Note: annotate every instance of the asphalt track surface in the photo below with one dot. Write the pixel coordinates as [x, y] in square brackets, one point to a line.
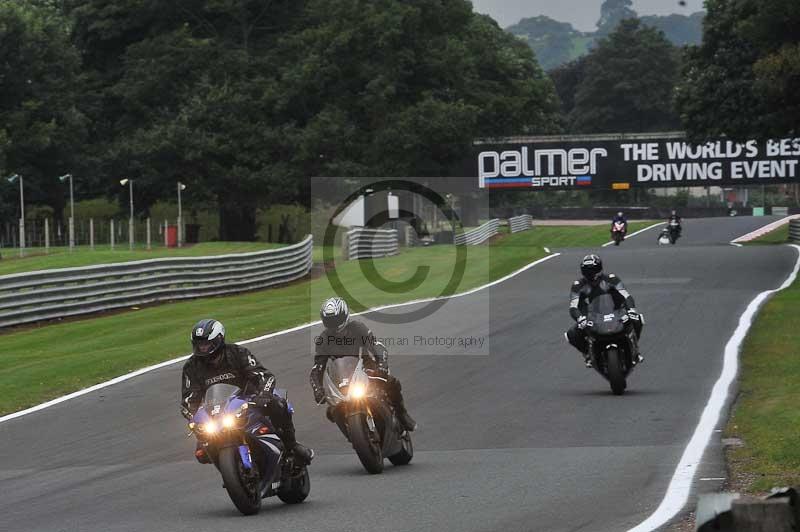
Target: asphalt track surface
[519, 436]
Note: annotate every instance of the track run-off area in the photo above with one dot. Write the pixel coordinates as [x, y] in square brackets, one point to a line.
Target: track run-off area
[517, 437]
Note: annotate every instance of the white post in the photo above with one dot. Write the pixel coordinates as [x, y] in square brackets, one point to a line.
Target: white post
[46, 236]
[166, 242]
[112, 235]
[180, 217]
[71, 216]
[91, 234]
[22, 219]
[148, 233]
[130, 233]
[22, 237]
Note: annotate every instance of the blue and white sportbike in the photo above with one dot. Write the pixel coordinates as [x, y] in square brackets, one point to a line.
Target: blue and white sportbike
[242, 444]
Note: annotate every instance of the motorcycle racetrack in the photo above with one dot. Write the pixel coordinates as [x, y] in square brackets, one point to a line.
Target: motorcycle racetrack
[520, 437]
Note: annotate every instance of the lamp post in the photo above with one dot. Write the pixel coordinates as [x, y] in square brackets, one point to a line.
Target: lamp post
[129, 182]
[181, 236]
[71, 211]
[13, 179]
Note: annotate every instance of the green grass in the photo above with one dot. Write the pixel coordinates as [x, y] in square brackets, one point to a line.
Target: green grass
[42, 363]
[36, 259]
[776, 236]
[766, 415]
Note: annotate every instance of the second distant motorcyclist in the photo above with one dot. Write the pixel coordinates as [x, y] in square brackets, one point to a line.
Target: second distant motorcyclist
[675, 221]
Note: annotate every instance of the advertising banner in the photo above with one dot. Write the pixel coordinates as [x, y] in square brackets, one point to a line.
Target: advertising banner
[620, 162]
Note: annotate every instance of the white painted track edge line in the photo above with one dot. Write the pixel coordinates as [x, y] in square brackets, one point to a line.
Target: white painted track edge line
[136, 373]
[680, 486]
[636, 233]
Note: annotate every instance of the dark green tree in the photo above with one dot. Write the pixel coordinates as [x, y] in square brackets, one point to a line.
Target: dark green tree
[553, 42]
[566, 79]
[42, 132]
[628, 83]
[612, 12]
[743, 80]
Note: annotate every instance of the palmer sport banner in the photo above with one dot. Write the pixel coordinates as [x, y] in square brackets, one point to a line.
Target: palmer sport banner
[622, 162]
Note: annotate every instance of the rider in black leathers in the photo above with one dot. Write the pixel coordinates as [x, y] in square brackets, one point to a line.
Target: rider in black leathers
[343, 337]
[592, 284]
[213, 361]
[673, 217]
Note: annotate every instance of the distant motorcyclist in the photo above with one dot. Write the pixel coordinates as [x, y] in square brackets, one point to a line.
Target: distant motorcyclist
[213, 361]
[343, 337]
[620, 217]
[593, 283]
[673, 220]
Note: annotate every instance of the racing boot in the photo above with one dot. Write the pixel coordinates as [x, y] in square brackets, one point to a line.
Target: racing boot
[404, 417]
[587, 360]
[302, 454]
[637, 354]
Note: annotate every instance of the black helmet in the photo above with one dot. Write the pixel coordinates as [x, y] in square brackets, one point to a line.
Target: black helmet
[334, 314]
[208, 337]
[591, 267]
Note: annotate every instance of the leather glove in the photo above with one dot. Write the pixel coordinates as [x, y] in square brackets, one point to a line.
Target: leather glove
[634, 314]
[582, 322]
[319, 396]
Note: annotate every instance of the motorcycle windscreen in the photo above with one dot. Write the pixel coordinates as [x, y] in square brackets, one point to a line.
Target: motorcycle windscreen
[217, 396]
[605, 317]
[338, 375]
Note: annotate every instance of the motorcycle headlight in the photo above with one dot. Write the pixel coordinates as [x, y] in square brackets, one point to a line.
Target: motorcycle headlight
[228, 421]
[211, 427]
[358, 391]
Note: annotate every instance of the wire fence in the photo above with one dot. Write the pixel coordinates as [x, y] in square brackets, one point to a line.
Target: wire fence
[44, 233]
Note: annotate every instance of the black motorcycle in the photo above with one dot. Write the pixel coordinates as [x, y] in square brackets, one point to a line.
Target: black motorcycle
[244, 447]
[361, 409]
[670, 233]
[611, 339]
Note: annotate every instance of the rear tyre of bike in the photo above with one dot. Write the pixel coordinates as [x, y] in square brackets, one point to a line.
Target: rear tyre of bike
[406, 453]
[295, 489]
[368, 451]
[616, 375]
[243, 491]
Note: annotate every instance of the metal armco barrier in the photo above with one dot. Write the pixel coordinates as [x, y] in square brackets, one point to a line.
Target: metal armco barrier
[520, 223]
[363, 243]
[794, 231]
[478, 235]
[51, 294]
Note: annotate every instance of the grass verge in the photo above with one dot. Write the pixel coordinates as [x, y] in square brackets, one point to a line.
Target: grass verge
[766, 416]
[776, 236]
[41, 363]
[84, 256]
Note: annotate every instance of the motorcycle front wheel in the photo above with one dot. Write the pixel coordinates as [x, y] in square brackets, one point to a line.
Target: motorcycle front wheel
[616, 374]
[241, 484]
[368, 451]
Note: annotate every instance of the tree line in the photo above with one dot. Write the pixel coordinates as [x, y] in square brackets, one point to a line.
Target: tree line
[243, 100]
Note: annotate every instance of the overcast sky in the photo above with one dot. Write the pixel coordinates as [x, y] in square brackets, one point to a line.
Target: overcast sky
[583, 14]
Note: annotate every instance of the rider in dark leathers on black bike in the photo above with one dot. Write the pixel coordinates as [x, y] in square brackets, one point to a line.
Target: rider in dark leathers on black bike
[343, 337]
[213, 361]
[673, 217]
[594, 283]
